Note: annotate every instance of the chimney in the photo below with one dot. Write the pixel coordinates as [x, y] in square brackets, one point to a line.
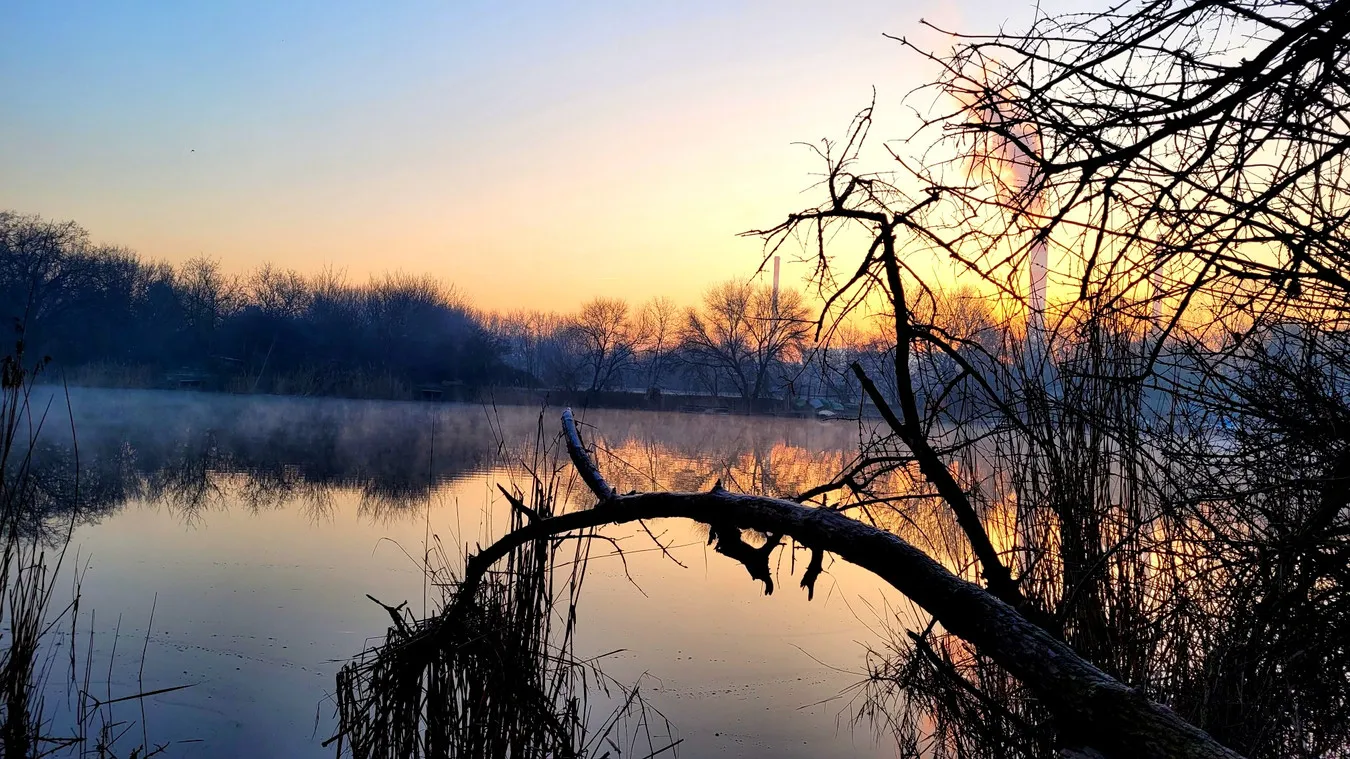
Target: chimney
[775, 285]
[1037, 268]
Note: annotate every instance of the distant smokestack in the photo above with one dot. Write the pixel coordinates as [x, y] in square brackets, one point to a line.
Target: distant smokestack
[1156, 281]
[775, 285]
[1013, 164]
[1036, 270]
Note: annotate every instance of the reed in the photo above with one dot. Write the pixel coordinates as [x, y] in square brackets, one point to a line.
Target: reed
[36, 530]
[495, 672]
[26, 570]
[1202, 566]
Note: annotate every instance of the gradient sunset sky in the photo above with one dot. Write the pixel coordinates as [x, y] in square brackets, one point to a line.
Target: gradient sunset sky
[535, 154]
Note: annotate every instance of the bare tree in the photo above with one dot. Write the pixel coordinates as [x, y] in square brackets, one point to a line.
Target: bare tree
[743, 332]
[524, 334]
[967, 315]
[606, 338]
[1162, 149]
[278, 292]
[563, 359]
[38, 258]
[206, 296]
[657, 337]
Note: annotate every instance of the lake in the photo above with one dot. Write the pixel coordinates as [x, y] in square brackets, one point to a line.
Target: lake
[256, 526]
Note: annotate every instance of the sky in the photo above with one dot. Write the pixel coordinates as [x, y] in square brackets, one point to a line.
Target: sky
[533, 154]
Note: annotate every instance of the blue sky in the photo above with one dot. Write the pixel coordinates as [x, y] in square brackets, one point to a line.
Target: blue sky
[534, 154]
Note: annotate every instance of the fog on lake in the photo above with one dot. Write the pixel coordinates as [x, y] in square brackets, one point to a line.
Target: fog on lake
[255, 527]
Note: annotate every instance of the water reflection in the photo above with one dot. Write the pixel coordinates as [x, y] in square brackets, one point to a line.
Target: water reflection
[258, 526]
[194, 453]
[197, 453]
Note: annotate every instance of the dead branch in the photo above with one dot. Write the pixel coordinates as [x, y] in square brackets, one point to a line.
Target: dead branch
[1090, 707]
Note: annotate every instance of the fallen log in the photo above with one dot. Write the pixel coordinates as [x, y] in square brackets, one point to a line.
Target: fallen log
[1093, 711]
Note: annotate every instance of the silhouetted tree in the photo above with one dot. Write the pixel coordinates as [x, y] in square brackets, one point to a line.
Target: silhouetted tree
[606, 338]
[88, 305]
[658, 338]
[1135, 535]
[743, 333]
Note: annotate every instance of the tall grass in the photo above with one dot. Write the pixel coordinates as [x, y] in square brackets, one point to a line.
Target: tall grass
[1201, 562]
[495, 673]
[113, 374]
[35, 542]
[27, 570]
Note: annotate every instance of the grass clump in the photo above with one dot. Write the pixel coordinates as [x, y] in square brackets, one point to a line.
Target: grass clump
[495, 673]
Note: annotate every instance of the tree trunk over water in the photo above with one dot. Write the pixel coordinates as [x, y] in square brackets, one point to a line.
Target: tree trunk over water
[1093, 710]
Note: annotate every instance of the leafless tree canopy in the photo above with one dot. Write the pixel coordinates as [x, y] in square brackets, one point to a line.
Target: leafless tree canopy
[1124, 525]
[1184, 165]
[743, 331]
[1159, 147]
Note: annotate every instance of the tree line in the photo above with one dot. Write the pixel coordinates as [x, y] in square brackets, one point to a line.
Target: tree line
[103, 311]
[108, 317]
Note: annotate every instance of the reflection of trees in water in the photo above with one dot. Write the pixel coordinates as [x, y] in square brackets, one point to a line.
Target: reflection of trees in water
[751, 465]
[186, 477]
[282, 485]
[200, 453]
[261, 454]
[56, 481]
[779, 457]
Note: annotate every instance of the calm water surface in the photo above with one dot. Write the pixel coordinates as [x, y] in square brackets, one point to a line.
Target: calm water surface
[255, 527]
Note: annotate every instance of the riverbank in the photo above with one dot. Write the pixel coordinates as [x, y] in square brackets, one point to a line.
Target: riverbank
[378, 386]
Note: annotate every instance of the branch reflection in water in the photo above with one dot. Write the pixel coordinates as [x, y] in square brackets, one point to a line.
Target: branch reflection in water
[262, 523]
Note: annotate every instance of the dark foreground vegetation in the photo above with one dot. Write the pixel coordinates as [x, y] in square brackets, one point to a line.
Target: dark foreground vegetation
[1127, 530]
[501, 674]
[1123, 518]
[49, 703]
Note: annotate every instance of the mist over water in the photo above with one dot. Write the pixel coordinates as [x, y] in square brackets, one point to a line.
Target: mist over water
[256, 526]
